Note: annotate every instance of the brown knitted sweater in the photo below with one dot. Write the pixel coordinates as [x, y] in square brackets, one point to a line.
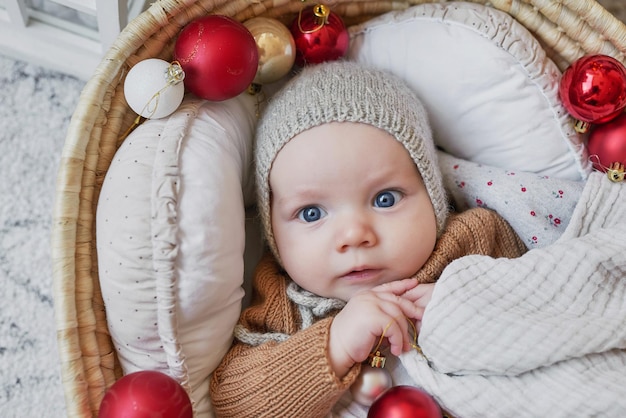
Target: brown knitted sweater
[294, 378]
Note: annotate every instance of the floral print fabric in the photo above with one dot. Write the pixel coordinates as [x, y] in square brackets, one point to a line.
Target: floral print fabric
[538, 207]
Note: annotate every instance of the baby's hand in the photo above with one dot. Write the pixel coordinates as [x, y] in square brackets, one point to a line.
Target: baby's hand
[368, 315]
[420, 295]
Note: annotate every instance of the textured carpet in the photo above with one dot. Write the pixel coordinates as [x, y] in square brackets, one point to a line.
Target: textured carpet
[35, 108]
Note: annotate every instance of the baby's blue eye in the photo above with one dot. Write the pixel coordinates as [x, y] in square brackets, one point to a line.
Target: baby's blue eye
[311, 214]
[386, 199]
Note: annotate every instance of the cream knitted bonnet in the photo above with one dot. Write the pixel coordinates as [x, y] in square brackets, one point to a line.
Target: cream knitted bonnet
[342, 91]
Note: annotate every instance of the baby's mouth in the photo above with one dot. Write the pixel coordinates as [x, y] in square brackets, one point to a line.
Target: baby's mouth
[362, 274]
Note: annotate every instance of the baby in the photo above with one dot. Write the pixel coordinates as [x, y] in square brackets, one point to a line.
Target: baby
[358, 227]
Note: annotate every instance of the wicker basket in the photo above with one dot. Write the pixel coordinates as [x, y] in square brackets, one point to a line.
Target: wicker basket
[568, 29]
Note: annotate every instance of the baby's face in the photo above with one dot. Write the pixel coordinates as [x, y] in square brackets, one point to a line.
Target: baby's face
[349, 210]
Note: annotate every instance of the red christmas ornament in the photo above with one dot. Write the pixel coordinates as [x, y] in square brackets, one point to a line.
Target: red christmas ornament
[404, 402]
[146, 394]
[593, 88]
[320, 35]
[219, 57]
[607, 142]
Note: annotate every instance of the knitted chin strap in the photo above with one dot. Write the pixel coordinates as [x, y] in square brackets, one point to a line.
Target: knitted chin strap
[310, 307]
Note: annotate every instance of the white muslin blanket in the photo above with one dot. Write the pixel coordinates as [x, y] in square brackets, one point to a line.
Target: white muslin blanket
[540, 335]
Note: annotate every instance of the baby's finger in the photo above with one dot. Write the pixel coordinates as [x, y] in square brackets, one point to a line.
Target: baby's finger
[406, 306]
[421, 294]
[398, 330]
[397, 287]
[398, 336]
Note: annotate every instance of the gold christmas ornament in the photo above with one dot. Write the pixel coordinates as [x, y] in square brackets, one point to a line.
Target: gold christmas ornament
[277, 49]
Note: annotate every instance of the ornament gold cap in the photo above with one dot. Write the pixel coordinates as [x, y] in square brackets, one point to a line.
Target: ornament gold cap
[174, 73]
[616, 172]
[377, 360]
[581, 126]
[321, 13]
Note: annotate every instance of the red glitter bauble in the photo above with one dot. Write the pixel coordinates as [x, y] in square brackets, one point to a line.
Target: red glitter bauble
[219, 57]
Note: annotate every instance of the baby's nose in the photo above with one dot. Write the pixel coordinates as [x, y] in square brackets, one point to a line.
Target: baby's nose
[355, 231]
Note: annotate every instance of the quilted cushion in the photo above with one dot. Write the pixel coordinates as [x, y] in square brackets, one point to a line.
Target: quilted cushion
[490, 90]
[171, 238]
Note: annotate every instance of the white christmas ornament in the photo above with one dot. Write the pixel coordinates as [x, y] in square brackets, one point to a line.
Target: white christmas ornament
[372, 381]
[154, 88]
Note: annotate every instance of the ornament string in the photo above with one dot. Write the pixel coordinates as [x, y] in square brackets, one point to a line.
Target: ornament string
[256, 90]
[138, 121]
[615, 171]
[173, 75]
[376, 359]
[321, 12]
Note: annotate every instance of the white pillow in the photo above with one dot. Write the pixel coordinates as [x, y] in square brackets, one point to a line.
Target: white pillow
[171, 236]
[489, 88]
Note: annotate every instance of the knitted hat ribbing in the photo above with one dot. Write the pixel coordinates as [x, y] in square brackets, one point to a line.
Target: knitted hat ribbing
[342, 91]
